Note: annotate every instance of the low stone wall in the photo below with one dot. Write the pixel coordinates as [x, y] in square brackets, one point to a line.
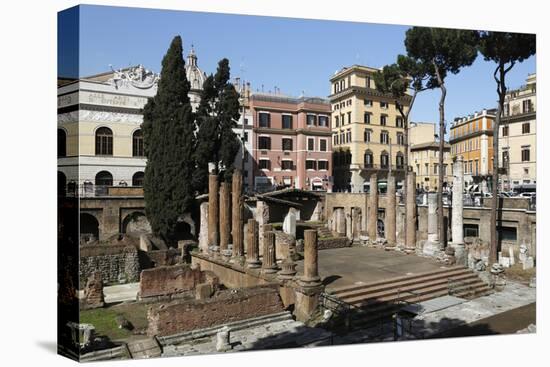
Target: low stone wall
[167, 257]
[335, 242]
[116, 263]
[170, 280]
[226, 306]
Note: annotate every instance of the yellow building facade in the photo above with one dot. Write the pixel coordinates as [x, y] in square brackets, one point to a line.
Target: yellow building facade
[368, 131]
[472, 138]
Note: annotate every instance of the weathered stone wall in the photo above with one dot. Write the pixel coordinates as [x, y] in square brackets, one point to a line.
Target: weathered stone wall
[328, 243]
[116, 263]
[167, 257]
[226, 306]
[169, 280]
[231, 276]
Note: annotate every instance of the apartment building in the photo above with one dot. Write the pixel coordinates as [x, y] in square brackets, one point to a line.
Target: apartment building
[292, 146]
[517, 136]
[368, 131]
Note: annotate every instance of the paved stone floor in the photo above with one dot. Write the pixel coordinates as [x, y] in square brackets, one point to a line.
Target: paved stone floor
[352, 265]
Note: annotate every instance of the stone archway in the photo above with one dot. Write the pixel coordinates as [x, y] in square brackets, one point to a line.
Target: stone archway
[136, 223]
[89, 227]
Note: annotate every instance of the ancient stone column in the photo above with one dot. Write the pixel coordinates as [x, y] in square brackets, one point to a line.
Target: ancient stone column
[213, 210]
[390, 211]
[238, 214]
[432, 245]
[457, 214]
[252, 250]
[457, 229]
[373, 208]
[203, 234]
[311, 260]
[269, 262]
[225, 217]
[410, 210]
[262, 217]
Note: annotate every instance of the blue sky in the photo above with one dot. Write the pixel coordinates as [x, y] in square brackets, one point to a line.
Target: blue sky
[294, 55]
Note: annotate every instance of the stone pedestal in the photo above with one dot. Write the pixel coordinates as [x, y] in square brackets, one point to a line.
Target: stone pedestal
[213, 211]
[373, 208]
[306, 301]
[410, 209]
[225, 218]
[269, 262]
[356, 223]
[390, 212]
[223, 339]
[252, 250]
[237, 206]
[203, 234]
[93, 292]
[432, 245]
[288, 270]
[311, 263]
[289, 223]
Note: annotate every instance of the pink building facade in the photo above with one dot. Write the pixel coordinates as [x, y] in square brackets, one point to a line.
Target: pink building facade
[292, 146]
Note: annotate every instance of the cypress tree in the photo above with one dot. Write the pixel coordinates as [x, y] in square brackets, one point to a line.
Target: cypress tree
[168, 127]
[216, 142]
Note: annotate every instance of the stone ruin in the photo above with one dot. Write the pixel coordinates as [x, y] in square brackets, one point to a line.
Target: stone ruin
[93, 292]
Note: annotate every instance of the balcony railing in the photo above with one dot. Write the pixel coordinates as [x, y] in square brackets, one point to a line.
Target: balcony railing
[91, 190]
[379, 167]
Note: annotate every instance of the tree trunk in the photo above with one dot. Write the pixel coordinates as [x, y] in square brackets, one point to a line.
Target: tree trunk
[493, 250]
[406, 156]
[440, 217]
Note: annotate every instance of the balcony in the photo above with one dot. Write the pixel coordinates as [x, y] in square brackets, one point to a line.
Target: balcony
[90, 190]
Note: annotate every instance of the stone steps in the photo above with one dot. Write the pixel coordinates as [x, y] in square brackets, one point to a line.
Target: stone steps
[368, 289]
[396, 280]
[415, 289]
[375, 302]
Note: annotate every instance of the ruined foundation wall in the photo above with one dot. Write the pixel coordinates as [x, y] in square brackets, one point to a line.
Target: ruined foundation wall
[116, 263]
[227, 306]
[168, 280]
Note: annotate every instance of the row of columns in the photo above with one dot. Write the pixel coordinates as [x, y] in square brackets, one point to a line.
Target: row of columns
[391, 211]
[226, 222]
[225, 217]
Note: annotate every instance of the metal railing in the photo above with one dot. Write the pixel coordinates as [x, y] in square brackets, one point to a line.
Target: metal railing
[92, 190]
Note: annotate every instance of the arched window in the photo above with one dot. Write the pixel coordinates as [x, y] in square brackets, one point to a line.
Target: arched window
[104, 178]
[104, 141]
[137, 144]
[137, 179]
[368, 160]
[384, 160]
[61, 143]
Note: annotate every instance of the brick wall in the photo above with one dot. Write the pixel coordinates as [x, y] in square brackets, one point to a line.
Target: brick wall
[168, 280]
[116, 263]
[226, 306]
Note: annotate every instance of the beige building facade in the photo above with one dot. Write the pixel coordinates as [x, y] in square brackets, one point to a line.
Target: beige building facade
[368, 132]
[517, 137]
[424, 156]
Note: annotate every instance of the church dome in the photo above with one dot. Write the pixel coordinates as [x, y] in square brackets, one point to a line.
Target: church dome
[194, 74]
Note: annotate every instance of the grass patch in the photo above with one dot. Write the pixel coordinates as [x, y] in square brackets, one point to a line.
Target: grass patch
[517, 273]
[104, 319]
